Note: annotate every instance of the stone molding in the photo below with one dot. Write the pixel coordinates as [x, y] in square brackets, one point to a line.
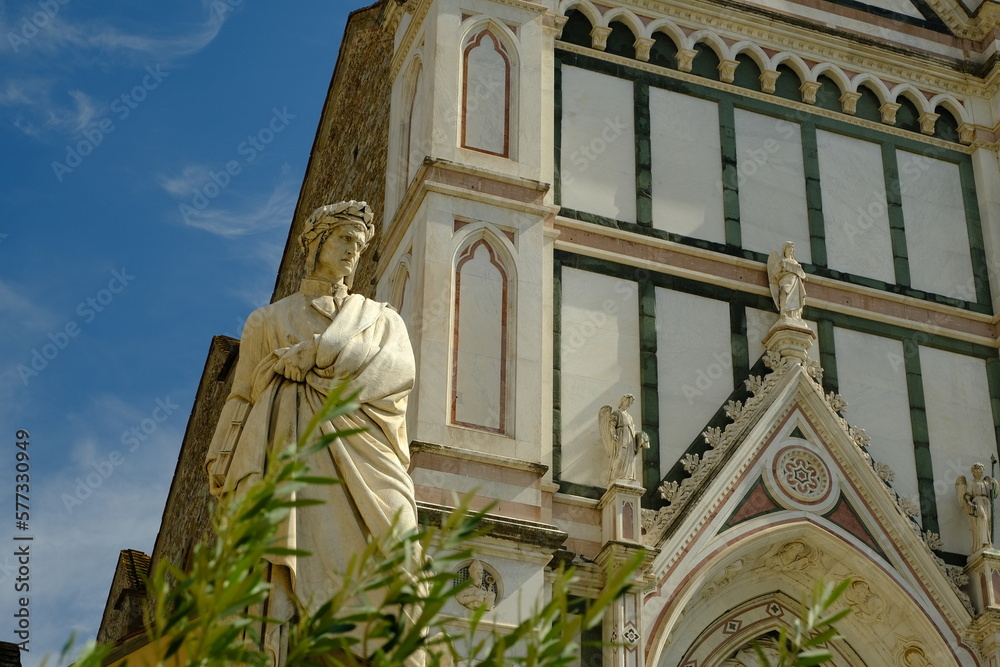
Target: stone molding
[482, 457]
[668, 257]
[540, 535]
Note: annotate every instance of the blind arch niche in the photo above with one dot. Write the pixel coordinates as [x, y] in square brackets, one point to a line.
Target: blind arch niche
[489, 78]
[481, 376]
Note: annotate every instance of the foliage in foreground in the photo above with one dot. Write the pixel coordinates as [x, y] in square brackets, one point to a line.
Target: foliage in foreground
[198, 617]
[804, 644]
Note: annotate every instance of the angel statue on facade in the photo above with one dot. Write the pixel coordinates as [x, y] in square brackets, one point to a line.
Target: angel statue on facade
[976, 498]
[623, 445]
[787, 281]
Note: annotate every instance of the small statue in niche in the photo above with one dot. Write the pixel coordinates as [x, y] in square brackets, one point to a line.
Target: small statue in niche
[481, 592]
[976, 498]
[787, 281]
[621, 442]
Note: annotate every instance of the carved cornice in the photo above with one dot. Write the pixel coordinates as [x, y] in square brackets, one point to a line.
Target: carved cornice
[540, 535]
[985, 626]
[741, 274]
[778, 32]
[615, 554]
[462, 180]
[481, 457]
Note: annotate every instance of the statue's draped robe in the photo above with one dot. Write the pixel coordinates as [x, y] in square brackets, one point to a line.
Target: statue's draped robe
[979, 508]
[791, 283]
[622, 466]
[359, 340]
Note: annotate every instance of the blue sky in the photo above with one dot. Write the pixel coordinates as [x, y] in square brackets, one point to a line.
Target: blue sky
[150, 159]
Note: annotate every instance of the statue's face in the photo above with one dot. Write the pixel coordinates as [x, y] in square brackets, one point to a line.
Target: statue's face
[977, 471]
[338, 256]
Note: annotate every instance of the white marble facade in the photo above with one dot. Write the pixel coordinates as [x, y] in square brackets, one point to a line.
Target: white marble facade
[959, 425]
[687, 194]
[872, 376]
[694, 367]
[855, 208]
[598, 144]
[772, 183]
[483, 108]
[599, 358]
[479, 370]
[487, 88]
[937, 239]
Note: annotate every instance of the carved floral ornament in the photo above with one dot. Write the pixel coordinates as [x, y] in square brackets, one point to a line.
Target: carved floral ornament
[686, 37]
[802, 477]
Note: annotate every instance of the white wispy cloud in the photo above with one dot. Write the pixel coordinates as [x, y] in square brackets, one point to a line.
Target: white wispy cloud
[75, 548]
[46, 103]
[39, 114]
[191, 179]
[23, 313]
[59, 35]
[251, 214]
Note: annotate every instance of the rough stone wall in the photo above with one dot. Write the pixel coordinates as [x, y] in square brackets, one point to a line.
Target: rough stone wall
[115, 623]
[10, 655]
[123, 611]
[189, 507]
[188, 510]
[350, 154]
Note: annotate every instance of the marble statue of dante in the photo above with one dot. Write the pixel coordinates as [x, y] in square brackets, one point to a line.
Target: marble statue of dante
[787, 281]
[291, 352]
[621, 441]
[976, 498]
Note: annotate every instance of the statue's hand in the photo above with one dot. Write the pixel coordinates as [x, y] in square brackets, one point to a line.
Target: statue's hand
[296, 361]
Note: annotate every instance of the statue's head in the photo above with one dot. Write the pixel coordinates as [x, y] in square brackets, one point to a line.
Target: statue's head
[334, 238]
[626, 402]
[978, 469]
[476, 572]
[788, 250]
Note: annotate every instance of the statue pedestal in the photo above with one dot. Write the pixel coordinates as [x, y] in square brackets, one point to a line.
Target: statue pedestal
[983, 570]
[790, 338]
[621, 513]
[621, 535]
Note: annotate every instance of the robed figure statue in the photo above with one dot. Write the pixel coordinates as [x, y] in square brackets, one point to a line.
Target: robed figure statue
[291, 353]
[976, 498]
[787, 282]
[622, 443]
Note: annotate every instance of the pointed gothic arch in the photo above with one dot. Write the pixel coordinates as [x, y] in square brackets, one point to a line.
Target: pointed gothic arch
[481, 372]
[753, 585]
[489, 90]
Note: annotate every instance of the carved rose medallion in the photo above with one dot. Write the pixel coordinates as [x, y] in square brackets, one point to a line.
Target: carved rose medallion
[801, 478]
